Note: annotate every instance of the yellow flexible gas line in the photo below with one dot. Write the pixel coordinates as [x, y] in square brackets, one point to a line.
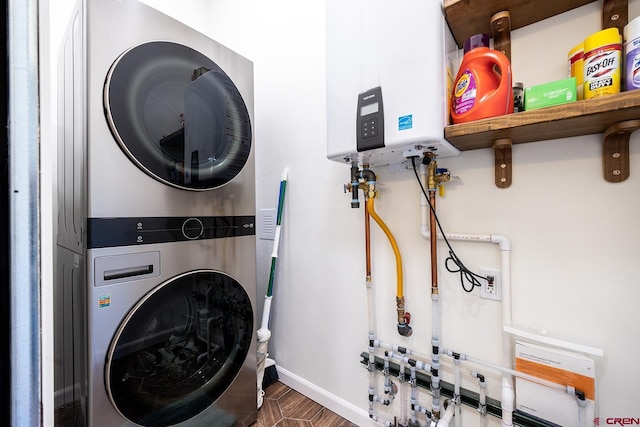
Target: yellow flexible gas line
[394, 245]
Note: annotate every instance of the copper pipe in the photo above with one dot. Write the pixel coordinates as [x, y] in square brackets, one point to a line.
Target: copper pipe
[434, 241]
[367, 240]
[432, 185]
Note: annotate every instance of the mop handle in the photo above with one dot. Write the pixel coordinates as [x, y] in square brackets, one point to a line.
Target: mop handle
[274, 254]
[276, 242]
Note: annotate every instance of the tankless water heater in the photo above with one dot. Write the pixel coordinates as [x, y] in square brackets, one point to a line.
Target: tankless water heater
[387, 80]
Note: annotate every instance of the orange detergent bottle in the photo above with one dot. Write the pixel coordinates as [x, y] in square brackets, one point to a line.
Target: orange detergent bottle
[483, 86]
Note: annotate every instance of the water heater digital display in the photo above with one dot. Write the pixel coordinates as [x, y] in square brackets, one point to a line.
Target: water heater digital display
[370, 121]
[369, 109]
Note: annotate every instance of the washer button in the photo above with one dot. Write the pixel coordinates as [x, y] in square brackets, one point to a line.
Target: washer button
[192, 228]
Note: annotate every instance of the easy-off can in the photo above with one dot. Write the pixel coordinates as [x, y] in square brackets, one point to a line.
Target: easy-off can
[632, 55]
[576, 67]
[602, 59]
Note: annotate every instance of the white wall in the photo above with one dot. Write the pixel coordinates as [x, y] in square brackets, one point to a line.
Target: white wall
[575, 237]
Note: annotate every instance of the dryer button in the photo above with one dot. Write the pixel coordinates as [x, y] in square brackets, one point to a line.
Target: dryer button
[192, 228]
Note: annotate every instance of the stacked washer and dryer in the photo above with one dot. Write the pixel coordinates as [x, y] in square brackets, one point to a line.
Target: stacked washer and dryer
[156, 290]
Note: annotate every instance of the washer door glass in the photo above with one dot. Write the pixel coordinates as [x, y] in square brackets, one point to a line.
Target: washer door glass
[179, 348]
[177, 115]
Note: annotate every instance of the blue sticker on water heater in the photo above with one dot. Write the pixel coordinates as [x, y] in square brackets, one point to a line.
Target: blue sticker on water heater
[405, 122]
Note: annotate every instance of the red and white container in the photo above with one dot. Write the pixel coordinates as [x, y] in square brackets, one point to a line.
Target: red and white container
[632, 55]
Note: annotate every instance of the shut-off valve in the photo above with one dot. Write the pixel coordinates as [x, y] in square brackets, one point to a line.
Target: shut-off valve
[435, 175]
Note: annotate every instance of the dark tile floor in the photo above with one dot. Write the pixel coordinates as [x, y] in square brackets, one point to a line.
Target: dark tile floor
[285, 407]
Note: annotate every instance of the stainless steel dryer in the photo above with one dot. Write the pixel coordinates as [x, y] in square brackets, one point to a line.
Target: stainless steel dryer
[154, 120]
[171, 323]
[169, 114]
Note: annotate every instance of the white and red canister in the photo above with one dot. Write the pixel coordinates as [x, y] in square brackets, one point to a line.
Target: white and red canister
[632, 55]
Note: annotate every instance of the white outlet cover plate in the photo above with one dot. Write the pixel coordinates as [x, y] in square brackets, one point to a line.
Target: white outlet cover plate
[267, 224]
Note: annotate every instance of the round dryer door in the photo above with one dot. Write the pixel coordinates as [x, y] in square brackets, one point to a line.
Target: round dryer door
[179, 348]
[177, 115]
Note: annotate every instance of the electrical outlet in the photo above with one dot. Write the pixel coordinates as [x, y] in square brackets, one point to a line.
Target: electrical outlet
[492, 288]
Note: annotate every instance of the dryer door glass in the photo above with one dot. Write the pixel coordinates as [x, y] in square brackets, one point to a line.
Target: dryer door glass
[179, 349]
[177, 115]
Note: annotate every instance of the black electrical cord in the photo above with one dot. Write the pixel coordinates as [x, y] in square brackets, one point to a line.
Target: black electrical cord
[465, 273]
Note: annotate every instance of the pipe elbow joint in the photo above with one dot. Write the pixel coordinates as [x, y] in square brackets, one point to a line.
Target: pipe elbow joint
[507, 402]
[503, 242]
[404, 329]
[368, 175]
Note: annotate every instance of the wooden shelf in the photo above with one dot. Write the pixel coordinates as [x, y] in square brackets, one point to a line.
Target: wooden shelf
[469, 17]
[590, 116]
[617, 116]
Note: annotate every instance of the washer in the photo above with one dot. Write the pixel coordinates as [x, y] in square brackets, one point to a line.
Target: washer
[171, 324]
[156, 212]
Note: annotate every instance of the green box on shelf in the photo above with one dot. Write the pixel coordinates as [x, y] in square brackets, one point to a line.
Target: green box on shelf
[549, 94]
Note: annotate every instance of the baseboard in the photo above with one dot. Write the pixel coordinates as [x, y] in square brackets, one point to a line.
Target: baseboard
[340, 406]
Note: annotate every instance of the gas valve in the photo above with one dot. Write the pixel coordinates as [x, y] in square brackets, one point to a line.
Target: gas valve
[441, 175]
[407, 317]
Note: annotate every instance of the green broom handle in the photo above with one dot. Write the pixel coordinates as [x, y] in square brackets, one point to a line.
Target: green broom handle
[274, 254]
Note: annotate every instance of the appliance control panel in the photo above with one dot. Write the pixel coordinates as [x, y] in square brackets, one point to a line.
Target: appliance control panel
[110, 232]
[370, 132]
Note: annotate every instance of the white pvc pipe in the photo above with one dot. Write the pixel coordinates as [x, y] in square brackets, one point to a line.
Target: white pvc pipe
[508, 394]
[383, 421]
[445, 420]
[483, 394]
[437, 319]
[435, 357]
[403, 403]
[382, 400]
[507, 400]
[387, 378]
[419, 365]
[370, 308]
[414, 394]
[582, 412]
[372, 377]
[406, 351]
[482, 399]
[372, 358]
[425, 367]
[456, 393]
[405, 360]
[509, 371]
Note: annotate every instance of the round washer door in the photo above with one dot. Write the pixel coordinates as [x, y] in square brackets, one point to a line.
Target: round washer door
[179, 348]
[177, 115]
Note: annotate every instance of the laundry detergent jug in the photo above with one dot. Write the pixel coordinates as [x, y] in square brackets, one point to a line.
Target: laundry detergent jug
[483, 86]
